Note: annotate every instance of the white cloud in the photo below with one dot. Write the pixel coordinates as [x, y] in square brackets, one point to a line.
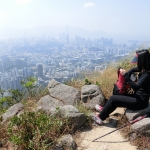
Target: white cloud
[89, 4]
[22, 1]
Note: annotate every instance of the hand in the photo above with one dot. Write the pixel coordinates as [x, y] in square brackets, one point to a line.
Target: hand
[122, 71]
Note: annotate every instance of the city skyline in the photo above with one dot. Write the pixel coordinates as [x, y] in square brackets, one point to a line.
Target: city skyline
[117, 18]
[60, 59]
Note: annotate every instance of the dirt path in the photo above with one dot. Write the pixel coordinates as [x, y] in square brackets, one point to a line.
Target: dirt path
[113, 141]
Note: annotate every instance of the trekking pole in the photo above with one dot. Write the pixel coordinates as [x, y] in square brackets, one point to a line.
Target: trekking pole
[130, 123]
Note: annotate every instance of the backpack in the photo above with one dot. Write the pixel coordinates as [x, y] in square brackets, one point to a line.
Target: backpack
[121, 87]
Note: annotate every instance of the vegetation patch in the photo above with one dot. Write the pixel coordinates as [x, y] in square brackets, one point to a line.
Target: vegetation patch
[37, 130]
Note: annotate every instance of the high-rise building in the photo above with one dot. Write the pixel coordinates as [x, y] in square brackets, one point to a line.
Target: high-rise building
[18, 82]
[5, 83]
[12, 83]
[14, 72]
[24, 71]
[40, 71]
[27, 72]
[1, 66]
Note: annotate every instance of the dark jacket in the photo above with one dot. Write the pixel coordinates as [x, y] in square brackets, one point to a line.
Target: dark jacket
[142, 86]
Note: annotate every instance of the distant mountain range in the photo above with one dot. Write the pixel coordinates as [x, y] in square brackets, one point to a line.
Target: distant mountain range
[6, 32]
[49, 31]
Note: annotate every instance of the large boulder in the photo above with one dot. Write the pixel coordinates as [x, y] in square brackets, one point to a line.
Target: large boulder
[141, 126]
[48, 104]
[69, 111]
[12, 111]
[69, 95]
[133, 114]
[92, 95]
[54, 107]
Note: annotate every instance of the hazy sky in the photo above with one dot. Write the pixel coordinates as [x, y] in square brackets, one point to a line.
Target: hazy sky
[115, 16]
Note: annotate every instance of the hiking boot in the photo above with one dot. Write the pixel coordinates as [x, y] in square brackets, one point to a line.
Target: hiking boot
[98, 108]
[97, 120]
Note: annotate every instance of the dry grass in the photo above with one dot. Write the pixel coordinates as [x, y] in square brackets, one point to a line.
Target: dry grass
[142, 142]
[106, 80]
[125, 132]
[30, 103]
[3, 135]
[76, 83]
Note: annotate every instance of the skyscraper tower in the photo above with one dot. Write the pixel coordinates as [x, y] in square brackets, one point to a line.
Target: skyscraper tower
[1, 66]
[25, 73]
[40, 70]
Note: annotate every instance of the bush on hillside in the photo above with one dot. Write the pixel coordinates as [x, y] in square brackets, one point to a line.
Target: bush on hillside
[37, 130]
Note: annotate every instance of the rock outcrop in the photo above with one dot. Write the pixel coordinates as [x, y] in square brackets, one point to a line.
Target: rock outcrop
[12, 111]
[133, 114]
[48, 104]
[67, 94]
[92, 95]
[63, 99]
[142, 126]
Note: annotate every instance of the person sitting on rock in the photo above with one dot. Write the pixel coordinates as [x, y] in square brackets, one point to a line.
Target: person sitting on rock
[137, 101]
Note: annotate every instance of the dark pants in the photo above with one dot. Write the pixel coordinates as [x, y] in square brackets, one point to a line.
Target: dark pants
[129, 102]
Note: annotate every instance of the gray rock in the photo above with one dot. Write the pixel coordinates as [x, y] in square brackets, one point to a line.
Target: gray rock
[12, 111]
[78, 119]
[49, 105]
[133, 114]
[92, 95]
[53, 107]
[69, 95]
[69, 111]
[142, 125]
[66, 142]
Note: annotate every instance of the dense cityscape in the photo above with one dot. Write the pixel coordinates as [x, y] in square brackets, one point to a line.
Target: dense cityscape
[62, 59]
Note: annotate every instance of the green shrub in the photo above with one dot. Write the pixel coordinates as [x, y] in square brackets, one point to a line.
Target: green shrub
[87, 82]
[37, 130]
[30, 86]
[16, 95]
[5, 103]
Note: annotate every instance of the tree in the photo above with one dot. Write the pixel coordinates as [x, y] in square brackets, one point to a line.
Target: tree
[29, 84]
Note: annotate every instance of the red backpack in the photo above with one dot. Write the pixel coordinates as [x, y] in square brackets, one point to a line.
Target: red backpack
[121, 87]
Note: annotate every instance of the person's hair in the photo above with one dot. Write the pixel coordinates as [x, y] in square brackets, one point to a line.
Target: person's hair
[143, 63]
